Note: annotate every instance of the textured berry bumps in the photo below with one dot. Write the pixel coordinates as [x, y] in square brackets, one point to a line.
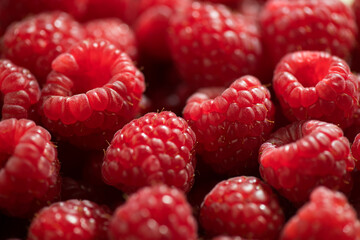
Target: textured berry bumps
[212, 46]
[93, 90]
[321, 25]
[328, 216]
[155, 148]
[303, 155]
[70, 220]
[20, 91]
[355, 149]
[230, 124]
[154, 213]
[35, 41]
[316, 85]
[242, 206]
[29, 168]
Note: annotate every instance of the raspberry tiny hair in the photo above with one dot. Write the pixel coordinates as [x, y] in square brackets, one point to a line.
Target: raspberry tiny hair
[115, 31]
[327, 215]
[212, 46]
[316, 85]
[70, 220]
[35, 41]
[155, 148]
[154, 213]
[29, 168]
[316, 25]
[242, 206]
[20, 91]
[303, 155]
[93, 90]
[231, 124]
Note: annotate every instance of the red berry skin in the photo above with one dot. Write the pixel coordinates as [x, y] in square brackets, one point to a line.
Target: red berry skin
[93, 90]
[317, 25]
[20, 90]
[355, 150]
[228, 238]
[70, 220]
[155, 148]
[316, 85]
[211, 46]
[36, 41]
[115, 31]
[306, 154]
[154, 213]
[231, 124]
[29, 168]
[242, 206]
[327, 216]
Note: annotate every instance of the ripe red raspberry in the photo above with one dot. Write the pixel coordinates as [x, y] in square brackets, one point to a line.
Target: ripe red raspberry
[155, 148]
[20, 91]
[242, 206]
[154, 213]
[230, 124]
[212, 46]
[355, 150]
[34, 42]
[93, 90]
[29, 168]
[70, 220]
[328, 215]
[316, 85]
[114, 31]
[303, 155]
[320, 25]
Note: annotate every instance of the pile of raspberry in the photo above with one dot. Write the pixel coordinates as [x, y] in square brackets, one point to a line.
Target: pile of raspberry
[179, 119]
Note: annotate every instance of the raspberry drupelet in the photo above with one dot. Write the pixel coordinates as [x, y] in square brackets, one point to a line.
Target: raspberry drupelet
[327, 216]
[316, 25]
[242, 206]
[355, 150]
[20, 91]
[155, 148]
[154, 213]
[212, 46]
[70, 220]
[93, 90]
[231, 124]
[316, 85]
[36, 41]
[29, 168]
[303, 155]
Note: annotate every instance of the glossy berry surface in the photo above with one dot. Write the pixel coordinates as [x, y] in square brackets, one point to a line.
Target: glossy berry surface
[29, 168]
[20, 90]
[93, 90]
[70, 220]
[242, 206]
[155, 148]
[316, 85]
[327, 215]
[230, 124]
[154, 213]
[303, 155]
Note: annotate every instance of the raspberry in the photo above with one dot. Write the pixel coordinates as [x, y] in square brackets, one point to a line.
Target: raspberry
[316, 85]
[303, 155]
[70, 220]
[211, 46]
[155, 148]
[29, 168]
[116, 32]
[20, 90]
[230, 124]
[355, 150]
[328, 215]
[154, 213]
[93, 90]
[35, 41]
[320, 25]
[242, 206]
